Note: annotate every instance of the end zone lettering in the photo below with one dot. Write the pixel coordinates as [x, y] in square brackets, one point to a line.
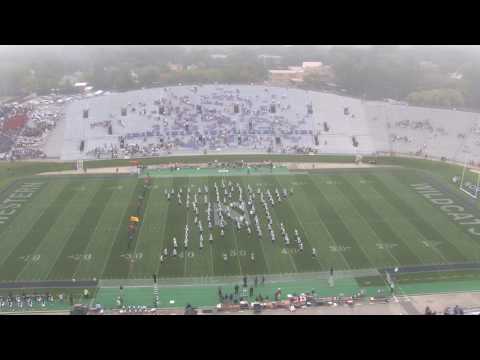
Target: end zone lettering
[447, 205]
[16, 199]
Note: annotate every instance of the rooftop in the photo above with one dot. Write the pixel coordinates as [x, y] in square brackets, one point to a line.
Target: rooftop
[283, 71]
[295, 68]
[307, 64]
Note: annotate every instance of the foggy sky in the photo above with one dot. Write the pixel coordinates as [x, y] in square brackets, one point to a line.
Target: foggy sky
[29, 48]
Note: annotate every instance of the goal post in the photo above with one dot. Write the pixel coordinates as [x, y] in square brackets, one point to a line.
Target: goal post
[470, 180]
[358, 159]
[79, 165]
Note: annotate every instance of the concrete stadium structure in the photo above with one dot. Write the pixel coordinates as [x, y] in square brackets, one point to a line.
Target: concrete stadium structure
[259, 119]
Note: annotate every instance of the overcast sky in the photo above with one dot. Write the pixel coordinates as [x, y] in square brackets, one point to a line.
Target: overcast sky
[78, 49]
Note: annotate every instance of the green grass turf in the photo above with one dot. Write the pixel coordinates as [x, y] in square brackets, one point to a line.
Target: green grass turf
[204, 172]
[356, 219]
[206, 295]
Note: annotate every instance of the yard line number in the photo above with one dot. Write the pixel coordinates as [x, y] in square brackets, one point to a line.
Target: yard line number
[339, 248]
[238, 253]
[132, 256]
[189, 254]
[382, 246]
[79, 257]
[431, 244]
[31, 258]
[290, 251]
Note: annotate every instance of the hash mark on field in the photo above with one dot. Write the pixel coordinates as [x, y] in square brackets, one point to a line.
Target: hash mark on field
[325, 228]
[302, 224]
[125, 211]
[38, 215]
[407, 243]
[330, 204]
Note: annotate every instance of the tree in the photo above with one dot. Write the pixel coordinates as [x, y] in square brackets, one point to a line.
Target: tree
[147, 75]
[122, 79]
[437, 97]
[471, 77]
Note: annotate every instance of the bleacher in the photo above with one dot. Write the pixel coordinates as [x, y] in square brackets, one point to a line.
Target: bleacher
[213, 117]
[6, 144]
[422, 131]
[259, 119]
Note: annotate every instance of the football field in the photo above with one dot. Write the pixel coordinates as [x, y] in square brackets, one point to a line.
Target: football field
[64, 228]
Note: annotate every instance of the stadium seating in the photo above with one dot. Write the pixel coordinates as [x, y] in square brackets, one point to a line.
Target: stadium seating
[5, 144]
[422, 131]
[240, 119]
[215, 118]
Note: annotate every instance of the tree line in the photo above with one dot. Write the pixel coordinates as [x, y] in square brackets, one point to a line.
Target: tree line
[429, 76]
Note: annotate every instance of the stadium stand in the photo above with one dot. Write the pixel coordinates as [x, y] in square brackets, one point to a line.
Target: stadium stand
[234, 119]
[5, 144]
[24, 127]
[193, 119]
[423, 131]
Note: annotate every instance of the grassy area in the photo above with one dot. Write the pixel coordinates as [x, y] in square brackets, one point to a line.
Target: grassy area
[355, 219]
[207, 295]
[10, 171]
[77, 227]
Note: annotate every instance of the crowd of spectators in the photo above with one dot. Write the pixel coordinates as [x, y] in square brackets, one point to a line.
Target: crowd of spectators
[409, 132]
[455, 310]
[130, 150]
[218, 119]
[24, 128]
[450, 310]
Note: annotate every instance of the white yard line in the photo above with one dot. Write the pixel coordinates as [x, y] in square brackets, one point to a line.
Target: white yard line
[186, 222]
[264, 256]
[105, 263]
[328, 232]
[39, 215]
[202, 213]
[161, 231]
[292, 261]
[65, 242]
[372, 263]
[258, 205]
[414, 227]
[291, 203]
[235, 238]
[212, 267]
[247, 215]
[236, 246]
[138, 236]
[366, 223]
[104, 213]
[304, 231]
